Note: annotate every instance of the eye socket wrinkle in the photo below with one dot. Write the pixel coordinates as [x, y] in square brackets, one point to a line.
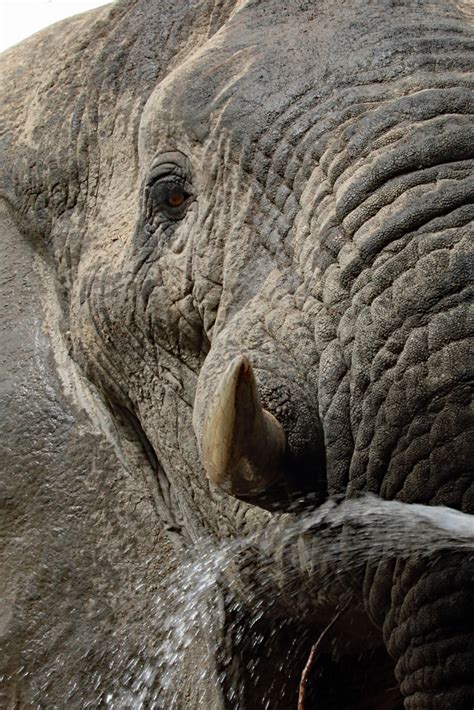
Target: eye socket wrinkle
[170, 163]
[166, 170]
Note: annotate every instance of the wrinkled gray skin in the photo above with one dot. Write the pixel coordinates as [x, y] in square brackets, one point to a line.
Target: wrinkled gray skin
[326, 148]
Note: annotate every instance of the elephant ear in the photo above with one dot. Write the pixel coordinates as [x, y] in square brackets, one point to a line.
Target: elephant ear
[82, 553]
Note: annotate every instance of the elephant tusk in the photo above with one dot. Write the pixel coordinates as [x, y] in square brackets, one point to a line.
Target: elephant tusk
[242, 444]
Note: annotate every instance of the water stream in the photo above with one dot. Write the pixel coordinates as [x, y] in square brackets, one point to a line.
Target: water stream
[334, 539]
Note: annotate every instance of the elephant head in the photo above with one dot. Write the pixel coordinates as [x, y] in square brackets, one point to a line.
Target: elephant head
[259, 217]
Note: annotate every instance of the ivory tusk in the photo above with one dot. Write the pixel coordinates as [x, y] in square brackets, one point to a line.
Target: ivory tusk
[242, 444]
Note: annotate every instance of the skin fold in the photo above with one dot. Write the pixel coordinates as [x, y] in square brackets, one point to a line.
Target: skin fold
[237, 276]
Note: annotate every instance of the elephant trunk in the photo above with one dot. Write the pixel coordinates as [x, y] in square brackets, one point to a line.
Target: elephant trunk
[407, 335]
[425, 612]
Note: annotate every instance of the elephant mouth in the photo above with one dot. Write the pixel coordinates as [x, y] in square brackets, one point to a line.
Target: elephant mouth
[250, 454]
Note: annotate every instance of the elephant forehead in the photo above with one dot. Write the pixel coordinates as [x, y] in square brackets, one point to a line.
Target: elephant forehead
[271, 55]
[243, 75]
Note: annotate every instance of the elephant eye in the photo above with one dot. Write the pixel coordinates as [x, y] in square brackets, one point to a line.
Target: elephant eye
[176, 197]
[171, 197]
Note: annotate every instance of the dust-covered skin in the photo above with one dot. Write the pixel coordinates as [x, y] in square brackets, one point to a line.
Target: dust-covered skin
[259, 212]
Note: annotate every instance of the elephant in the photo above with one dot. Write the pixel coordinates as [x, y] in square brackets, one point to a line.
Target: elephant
[236, 291]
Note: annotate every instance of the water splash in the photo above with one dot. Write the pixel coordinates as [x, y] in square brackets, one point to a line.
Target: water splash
[291, 557]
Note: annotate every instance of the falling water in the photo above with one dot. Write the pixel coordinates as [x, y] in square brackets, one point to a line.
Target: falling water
[342, 536]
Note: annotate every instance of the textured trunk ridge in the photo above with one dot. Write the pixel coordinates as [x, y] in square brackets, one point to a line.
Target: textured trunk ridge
[428, 627]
